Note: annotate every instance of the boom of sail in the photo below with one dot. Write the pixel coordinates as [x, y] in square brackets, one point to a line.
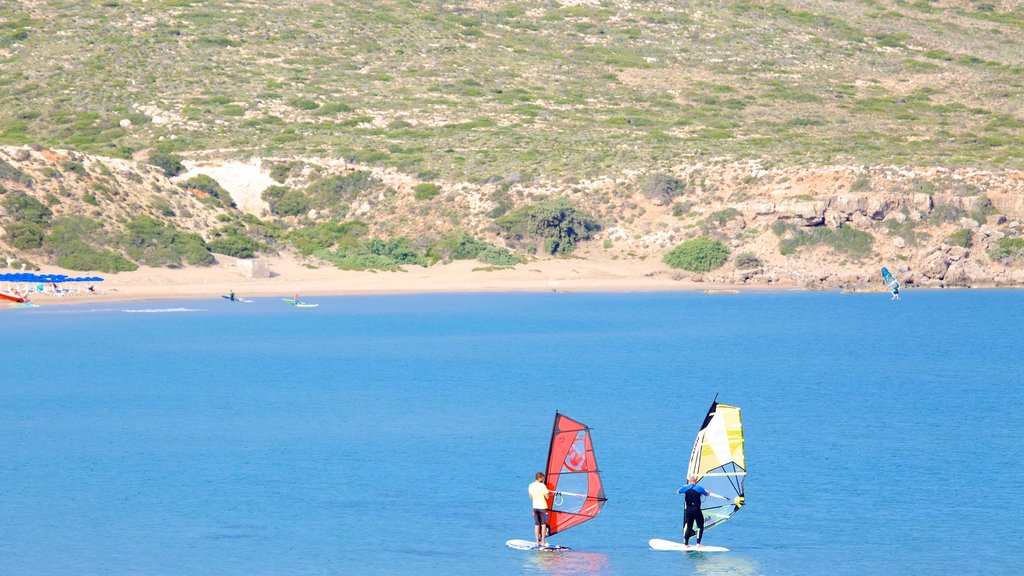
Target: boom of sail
[577, 493]
[718, 462]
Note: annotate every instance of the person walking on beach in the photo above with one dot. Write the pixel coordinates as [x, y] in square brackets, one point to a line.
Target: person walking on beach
[539, 496]
[693, 493]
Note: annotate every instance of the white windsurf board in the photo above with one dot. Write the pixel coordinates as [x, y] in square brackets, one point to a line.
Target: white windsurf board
[531, 545]
[659, 544]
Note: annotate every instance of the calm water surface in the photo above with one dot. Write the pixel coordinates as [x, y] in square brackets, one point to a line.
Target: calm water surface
[398, 434]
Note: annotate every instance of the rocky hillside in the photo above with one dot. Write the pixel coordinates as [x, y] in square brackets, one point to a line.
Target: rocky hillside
[816, 227]
[806, 140]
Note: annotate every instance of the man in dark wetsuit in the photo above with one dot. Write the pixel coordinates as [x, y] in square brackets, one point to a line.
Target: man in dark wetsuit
[693, 494]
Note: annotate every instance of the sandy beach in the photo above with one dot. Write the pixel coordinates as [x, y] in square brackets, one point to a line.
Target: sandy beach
[289, 278]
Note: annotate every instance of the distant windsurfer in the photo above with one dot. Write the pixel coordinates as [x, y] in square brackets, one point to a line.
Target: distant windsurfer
[693, 493]
[231, 296]
[539, 496]
[892, 283]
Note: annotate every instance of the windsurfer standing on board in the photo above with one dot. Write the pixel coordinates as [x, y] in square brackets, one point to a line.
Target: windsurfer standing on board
[692, 513]
[539, 496]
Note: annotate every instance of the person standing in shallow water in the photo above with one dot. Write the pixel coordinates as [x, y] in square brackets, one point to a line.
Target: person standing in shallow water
[539, 496]
[694, 493]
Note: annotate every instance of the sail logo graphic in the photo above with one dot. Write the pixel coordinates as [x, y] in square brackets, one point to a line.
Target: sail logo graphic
[576, 459]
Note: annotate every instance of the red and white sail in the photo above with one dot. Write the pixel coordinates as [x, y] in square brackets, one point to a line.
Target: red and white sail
[577, 493]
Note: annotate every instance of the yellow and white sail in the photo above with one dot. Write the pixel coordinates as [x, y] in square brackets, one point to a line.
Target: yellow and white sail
[719, 463]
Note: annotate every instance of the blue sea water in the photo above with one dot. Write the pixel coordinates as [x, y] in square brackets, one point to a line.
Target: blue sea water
[398, 434]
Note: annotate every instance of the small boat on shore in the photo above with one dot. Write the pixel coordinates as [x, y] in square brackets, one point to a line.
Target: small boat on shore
[4, 296]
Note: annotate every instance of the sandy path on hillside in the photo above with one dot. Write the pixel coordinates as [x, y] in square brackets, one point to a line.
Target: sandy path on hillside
[290, 278]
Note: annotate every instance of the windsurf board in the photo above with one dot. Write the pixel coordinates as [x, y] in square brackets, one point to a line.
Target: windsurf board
[531, 545]
[659, 544]
[237, 299]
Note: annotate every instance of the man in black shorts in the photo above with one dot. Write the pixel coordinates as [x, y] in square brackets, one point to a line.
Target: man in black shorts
[539, 496]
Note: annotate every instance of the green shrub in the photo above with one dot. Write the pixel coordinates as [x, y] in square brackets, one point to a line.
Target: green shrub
[22, 207]
[680, 209]
[401, 250]
[153, 243]
[721, 217]
[326, 235]
[457, 247]
[780, 227]
[358, 260]
[286, 202]
[281, 171]
[498, 257]
[169, 163]
[701, 254]
[662, 188]
[75, 167]
[90, 198]
[328, 192]
[266, 233]
[234, 245]
[9, 172]
[83, 257]
[68, 244]
[25, 235]
[558, 223]
[855, 243]
[206, 184]
[961, 238]
[332, 108]
[163, 207]
[906, 230]
[1008, 248]
[746, 261]
[946, 213]
[303, 104]
[425, 191]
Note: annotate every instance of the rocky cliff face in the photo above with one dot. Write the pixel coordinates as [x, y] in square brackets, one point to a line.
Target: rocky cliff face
[931, 226]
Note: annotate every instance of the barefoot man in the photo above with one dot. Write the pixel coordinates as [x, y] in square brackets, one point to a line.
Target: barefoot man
[539, 496]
